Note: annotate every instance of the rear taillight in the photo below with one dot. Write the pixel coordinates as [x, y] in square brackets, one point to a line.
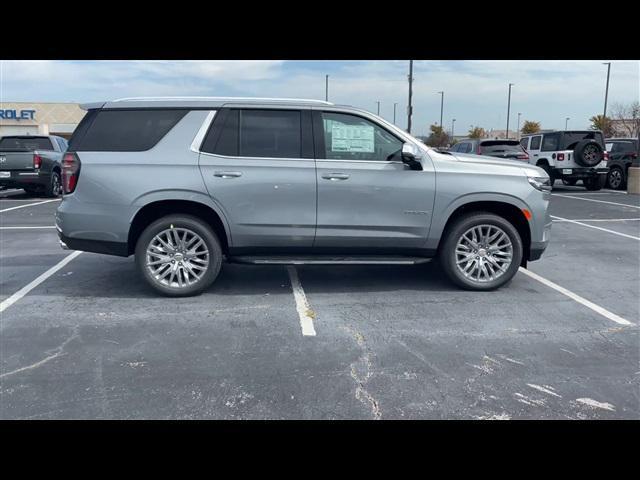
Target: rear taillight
[605, 156]
[70, 172]
[523, 156]
[37, 161]
[561, 156]
[478, 151]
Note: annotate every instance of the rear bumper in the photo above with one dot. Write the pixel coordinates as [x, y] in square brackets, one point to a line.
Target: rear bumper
[93, 246]
[25, 178]
[579, 172]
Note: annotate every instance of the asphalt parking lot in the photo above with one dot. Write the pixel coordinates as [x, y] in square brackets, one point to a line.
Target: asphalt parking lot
[91, 340]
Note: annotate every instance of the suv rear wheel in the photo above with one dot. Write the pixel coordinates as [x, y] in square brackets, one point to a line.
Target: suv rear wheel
[615, 178]
[179, 255]
[481, 251]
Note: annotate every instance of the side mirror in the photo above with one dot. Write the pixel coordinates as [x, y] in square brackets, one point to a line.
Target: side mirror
[410, 155]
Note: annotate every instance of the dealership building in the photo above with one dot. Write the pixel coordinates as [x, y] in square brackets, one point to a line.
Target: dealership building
[27, 118]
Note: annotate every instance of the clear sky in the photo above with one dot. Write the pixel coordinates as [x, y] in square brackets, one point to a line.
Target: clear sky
[475, 91]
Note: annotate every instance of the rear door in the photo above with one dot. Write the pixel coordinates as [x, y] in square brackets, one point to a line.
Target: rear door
[258, 166]
[367, 197]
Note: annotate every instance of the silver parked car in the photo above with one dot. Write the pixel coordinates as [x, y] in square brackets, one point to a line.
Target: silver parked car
[185, 183]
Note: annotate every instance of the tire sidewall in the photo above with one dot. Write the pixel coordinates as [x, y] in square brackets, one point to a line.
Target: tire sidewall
[448, 258]
[578, 152]
[50, 190]
[180, 221]
[619, 170]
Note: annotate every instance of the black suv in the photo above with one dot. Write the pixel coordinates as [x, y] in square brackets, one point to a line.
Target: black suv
[622, 153]
[500, 148]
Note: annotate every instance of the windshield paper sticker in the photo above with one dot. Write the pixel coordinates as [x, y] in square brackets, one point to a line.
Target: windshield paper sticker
[351, 138]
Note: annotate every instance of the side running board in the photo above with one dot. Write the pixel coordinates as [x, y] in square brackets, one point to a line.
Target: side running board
[328, 260]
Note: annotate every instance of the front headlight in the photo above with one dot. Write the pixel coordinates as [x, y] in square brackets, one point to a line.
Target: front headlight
[540, 183]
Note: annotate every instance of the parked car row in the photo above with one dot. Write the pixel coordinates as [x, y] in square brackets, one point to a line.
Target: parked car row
[570, 156]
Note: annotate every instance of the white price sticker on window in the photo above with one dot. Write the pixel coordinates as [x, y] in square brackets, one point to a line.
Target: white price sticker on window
[352, 138]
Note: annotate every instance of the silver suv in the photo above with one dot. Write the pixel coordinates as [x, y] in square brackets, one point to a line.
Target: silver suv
[185, 183]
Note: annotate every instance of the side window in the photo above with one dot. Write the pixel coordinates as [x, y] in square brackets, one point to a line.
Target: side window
[465, 147]
[524, 142]
[127, 130]
[535, 143]
[270, 133]
[349, 137]
[551, 142]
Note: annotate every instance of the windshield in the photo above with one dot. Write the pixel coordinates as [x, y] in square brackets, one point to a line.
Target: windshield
[497, 146]
[25, 143]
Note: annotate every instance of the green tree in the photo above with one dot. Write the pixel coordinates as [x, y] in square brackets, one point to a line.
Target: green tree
[438, 137]
[476, 132]
[530, 127]
[602, 123]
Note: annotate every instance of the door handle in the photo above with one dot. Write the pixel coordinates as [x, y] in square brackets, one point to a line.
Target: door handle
[336, 176]
[227, 174]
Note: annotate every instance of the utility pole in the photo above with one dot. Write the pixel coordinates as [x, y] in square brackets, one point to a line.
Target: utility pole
[326, 88]
[394, 112]
[453, 122]
[441, 108]
[509, 109]
[566, 123]
[519, 125]
[606, 95]
[410, 107]
[378, 107]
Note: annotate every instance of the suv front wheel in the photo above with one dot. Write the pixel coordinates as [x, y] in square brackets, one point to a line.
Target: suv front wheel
[179, 255]
[481, 251]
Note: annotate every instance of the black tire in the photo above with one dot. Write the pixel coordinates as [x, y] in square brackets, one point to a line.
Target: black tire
[447, 255]
[195, 225]
[615, 179]
[594, 183]
[53, 188]
[588, 153]
[569, 181]
[31, 191]
[549, 171]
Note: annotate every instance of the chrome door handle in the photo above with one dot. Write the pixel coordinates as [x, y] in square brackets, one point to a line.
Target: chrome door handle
[335, 176]
[227, 174]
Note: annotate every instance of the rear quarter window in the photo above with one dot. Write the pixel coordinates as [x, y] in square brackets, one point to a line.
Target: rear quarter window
[125, 130]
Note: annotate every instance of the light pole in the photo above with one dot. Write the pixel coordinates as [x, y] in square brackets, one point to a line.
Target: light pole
[519, 125]
[378, 107]
[453, 122]
[326, 88]
[394, 112]
[410, 107]
[606, 95]
[441, 107]
[566, 123]
[509, 109]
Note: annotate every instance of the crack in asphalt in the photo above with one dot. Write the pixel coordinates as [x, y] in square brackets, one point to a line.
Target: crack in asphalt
[362, 378]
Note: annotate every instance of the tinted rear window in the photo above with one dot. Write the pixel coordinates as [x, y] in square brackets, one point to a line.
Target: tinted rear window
[126, 130]
[25, 143]
[496, 146]
[571, 139]
[270, 133]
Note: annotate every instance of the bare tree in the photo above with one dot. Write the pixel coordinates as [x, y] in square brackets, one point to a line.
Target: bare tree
[626, 119]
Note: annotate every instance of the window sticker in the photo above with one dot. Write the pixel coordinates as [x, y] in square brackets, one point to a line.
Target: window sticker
[352, 138]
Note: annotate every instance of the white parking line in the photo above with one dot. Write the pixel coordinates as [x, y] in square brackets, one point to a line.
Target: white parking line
[596, 228]
[302, 305]
[30, 205]
[596, 308]
[24, 290]
[25, 228]
[600, 220]
[597, 201]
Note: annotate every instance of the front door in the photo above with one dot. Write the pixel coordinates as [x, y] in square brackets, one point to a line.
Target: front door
[367, 197]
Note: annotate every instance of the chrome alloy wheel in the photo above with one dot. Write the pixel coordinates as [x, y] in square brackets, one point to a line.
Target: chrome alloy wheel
[177, 257]
[484, 253]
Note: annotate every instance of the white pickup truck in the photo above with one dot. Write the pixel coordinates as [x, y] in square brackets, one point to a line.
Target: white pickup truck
[570, 155]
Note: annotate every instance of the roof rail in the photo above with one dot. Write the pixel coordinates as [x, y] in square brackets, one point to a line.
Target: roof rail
[223, 99]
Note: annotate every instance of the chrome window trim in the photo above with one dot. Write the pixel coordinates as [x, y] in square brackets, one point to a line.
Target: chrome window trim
[258, 158]
[202, 131]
